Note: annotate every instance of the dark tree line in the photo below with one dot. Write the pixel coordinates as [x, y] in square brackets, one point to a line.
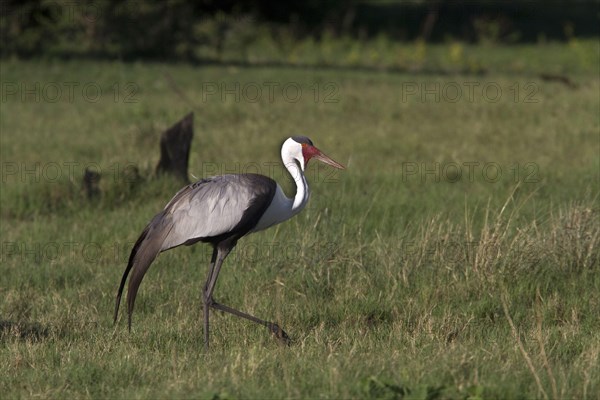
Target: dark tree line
[173, 29]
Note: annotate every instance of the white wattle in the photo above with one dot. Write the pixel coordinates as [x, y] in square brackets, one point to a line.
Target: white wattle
[282, 207]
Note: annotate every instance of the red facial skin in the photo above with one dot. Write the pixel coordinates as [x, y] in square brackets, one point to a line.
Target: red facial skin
[309, 152]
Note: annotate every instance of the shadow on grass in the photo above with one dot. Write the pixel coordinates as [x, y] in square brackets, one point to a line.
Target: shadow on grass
[274, 64]
[22, 330]
[416, 70]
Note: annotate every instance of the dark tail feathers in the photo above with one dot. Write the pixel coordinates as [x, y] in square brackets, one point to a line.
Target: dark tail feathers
[134, 251]
[145, 250]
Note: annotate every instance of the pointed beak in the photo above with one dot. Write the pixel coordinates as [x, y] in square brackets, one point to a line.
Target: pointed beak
[326, 159]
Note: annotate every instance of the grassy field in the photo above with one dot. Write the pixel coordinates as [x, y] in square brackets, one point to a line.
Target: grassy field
[456, 257]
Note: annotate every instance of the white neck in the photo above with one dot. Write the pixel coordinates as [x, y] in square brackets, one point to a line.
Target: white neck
[302, 191]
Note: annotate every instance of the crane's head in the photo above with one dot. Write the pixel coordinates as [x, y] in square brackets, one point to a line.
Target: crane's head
[300, 149]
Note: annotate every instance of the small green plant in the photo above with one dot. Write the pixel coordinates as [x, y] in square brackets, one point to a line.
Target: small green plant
[374, 388]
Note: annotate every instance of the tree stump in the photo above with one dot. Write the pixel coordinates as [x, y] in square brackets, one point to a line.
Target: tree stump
[175, 145]
[91, 183]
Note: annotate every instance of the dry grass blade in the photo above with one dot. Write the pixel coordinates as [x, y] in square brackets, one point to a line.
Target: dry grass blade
[540, 337]
[517, 338]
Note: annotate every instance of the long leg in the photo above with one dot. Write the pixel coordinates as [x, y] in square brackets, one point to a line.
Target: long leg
[211, 269]
[222, 252]
[273, 327]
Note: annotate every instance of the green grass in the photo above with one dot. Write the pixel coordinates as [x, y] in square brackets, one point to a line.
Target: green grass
[579, 56]
[394, 281]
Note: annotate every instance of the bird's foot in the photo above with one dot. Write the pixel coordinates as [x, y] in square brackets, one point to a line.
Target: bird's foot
[280, 334]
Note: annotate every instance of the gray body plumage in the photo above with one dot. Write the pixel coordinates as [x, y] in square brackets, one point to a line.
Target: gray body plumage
[207, 209]
[212, 210]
